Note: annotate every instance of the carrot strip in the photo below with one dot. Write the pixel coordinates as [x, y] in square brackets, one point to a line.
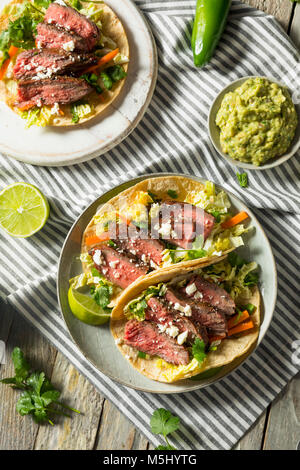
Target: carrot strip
[11, 52]
[235, 220]
[124, 218]
[4, 68]
[93, 239]
[237, 319]
[103, 60]
[242, 327]
[26, 106]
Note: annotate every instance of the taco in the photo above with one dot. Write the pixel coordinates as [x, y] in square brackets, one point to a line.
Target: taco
[159, 223]
[61, 63]
[175, 325]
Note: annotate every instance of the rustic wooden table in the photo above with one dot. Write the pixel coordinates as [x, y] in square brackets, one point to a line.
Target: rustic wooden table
[102, 426]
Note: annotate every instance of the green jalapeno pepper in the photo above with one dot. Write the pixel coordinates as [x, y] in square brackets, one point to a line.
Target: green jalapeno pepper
[210, 20]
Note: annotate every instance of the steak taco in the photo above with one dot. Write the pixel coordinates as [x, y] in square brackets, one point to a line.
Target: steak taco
[174, 325]
[157, 224]
[61, 63]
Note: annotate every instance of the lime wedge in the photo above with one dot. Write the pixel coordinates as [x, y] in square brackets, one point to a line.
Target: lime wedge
[23, 209]
[86, 309]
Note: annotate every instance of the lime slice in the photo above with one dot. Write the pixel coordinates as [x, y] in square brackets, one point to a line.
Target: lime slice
[85, 308]
[23, 209]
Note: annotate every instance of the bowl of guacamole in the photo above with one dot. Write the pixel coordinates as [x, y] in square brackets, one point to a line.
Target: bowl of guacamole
[254, 123]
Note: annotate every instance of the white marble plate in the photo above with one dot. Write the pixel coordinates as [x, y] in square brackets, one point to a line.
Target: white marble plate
[96, 342]
[65, 146]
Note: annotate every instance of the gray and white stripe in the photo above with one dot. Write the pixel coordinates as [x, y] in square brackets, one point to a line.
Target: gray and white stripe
[173, 137]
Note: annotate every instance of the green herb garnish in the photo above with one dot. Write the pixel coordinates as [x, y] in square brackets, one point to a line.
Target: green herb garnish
[250, 308]
[164, 423]
[142, 355]
[106, 79]
[198, 350]
[251, 279]
[172, 194]
[92, 79]
[38, 395]
[102, 294]
[242, 179]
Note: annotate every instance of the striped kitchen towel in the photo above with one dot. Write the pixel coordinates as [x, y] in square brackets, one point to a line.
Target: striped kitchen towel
[173, 137]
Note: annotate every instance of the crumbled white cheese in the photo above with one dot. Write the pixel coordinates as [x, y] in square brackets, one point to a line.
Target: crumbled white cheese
[217, 253]
[165, 230]
[153, 265]
[162, 328]
[69, 46]
[118, 341]
[182, 337]
[39, 103]
[198, 295]
[97, 257]
[113, 264]
[172, 331]
[55, 109]
[186, 310]
[191, 289]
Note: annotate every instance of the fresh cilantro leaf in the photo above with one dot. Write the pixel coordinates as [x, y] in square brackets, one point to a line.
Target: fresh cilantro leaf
[111, 243]
[42, 3]
[35, 381]
[20, 364]
[250, 308]
[198, 350]
[24, 404]
[242, 179]
[172, 194]
[163, 422]
[75, 4]
[251, 279]
[38, 393]
[116, 73]
[102, 294]
[142, 355]
[92, 79]
[50, 396]
[107, 81]
[217, 215]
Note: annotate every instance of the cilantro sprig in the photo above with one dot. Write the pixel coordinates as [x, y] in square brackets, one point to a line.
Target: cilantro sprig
[164, 423]
[39, 398]
[198, 350]
[242, 179]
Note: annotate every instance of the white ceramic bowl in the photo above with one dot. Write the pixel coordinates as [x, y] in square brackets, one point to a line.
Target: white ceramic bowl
[214, 131]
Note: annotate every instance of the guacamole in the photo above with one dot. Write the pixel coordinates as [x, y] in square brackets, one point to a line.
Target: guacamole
[257, 121]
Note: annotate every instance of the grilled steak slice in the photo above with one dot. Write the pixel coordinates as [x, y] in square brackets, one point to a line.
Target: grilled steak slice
[213, 320]
[209, 292]
[49, 91]
[118, 268]
[202, 314]
[131, 239]
[180, 223]
[145, 337]
[71, 20]
[53, 37]
[161, 314]
[45, 63]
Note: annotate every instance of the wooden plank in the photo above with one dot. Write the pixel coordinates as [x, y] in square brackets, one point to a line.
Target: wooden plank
[18, 432]
[253, 439]
[281, 9]
[117, 433]
[283, 430]
[295, 27]
[80, 431]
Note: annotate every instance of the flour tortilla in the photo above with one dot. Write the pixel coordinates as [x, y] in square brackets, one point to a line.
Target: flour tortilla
[111, 27]
[153, 368]
[160, 185]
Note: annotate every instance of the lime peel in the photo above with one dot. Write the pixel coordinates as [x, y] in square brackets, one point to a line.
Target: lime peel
[86, 309]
